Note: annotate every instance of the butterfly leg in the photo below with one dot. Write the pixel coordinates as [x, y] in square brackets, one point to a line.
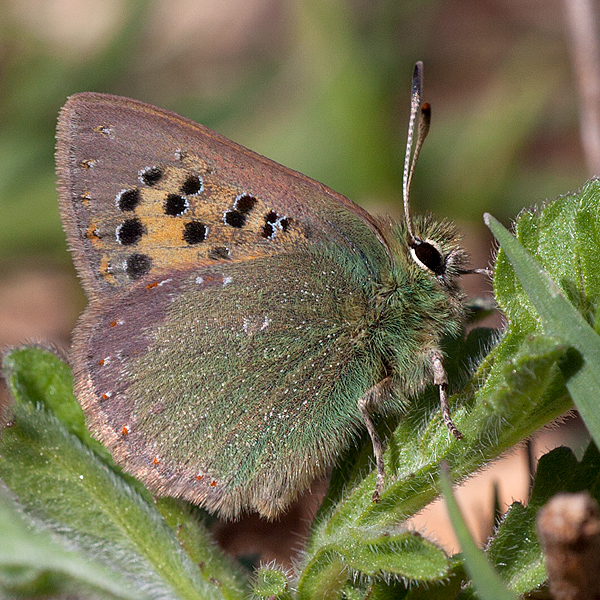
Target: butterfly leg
[441, 380]
[365, 405]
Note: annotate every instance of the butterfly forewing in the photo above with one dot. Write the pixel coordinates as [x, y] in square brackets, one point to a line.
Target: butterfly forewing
[144, 190]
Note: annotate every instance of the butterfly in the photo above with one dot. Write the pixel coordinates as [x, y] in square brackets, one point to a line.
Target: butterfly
[244, 322]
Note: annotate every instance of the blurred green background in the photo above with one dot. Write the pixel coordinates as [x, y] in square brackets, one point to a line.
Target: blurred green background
[319, 85]
[322, 86]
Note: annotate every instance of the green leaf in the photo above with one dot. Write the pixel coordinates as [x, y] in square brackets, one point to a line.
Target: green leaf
[450, 587]
[561, 320]
[67, 489]
[271, 584]
[486, 580]
[406, 556]
[522, 392]
[187, 520]
[514, 549]
[559, 471]
[35, 374]
[516, 389]
[32, 564]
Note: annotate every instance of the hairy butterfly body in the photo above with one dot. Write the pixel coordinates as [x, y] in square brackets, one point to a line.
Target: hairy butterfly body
[244, 320]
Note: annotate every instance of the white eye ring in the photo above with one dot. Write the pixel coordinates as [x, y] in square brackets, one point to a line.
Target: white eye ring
[423, 265]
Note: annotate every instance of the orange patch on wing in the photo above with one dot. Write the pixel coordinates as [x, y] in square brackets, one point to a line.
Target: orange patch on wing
[104, 269]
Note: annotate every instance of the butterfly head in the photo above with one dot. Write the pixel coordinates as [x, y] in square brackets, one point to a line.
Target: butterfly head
[438, 253]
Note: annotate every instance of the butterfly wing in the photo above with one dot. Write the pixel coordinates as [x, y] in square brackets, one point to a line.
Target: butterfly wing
[143, 189]
[233, 386]
[220, 357]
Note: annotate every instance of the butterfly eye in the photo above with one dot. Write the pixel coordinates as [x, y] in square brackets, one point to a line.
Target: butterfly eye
[429, 257]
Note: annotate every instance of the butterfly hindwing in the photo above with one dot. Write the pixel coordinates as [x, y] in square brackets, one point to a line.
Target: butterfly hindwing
[234, 385]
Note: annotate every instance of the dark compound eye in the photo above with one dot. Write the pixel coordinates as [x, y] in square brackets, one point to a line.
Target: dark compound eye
[429, 256]
[151, 175]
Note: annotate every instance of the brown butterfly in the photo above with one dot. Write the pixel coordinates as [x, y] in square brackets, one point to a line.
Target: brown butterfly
[244, 321]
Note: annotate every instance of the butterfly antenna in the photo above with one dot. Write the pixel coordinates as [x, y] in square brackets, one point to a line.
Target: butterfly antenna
[422, 114]
[488, 272]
